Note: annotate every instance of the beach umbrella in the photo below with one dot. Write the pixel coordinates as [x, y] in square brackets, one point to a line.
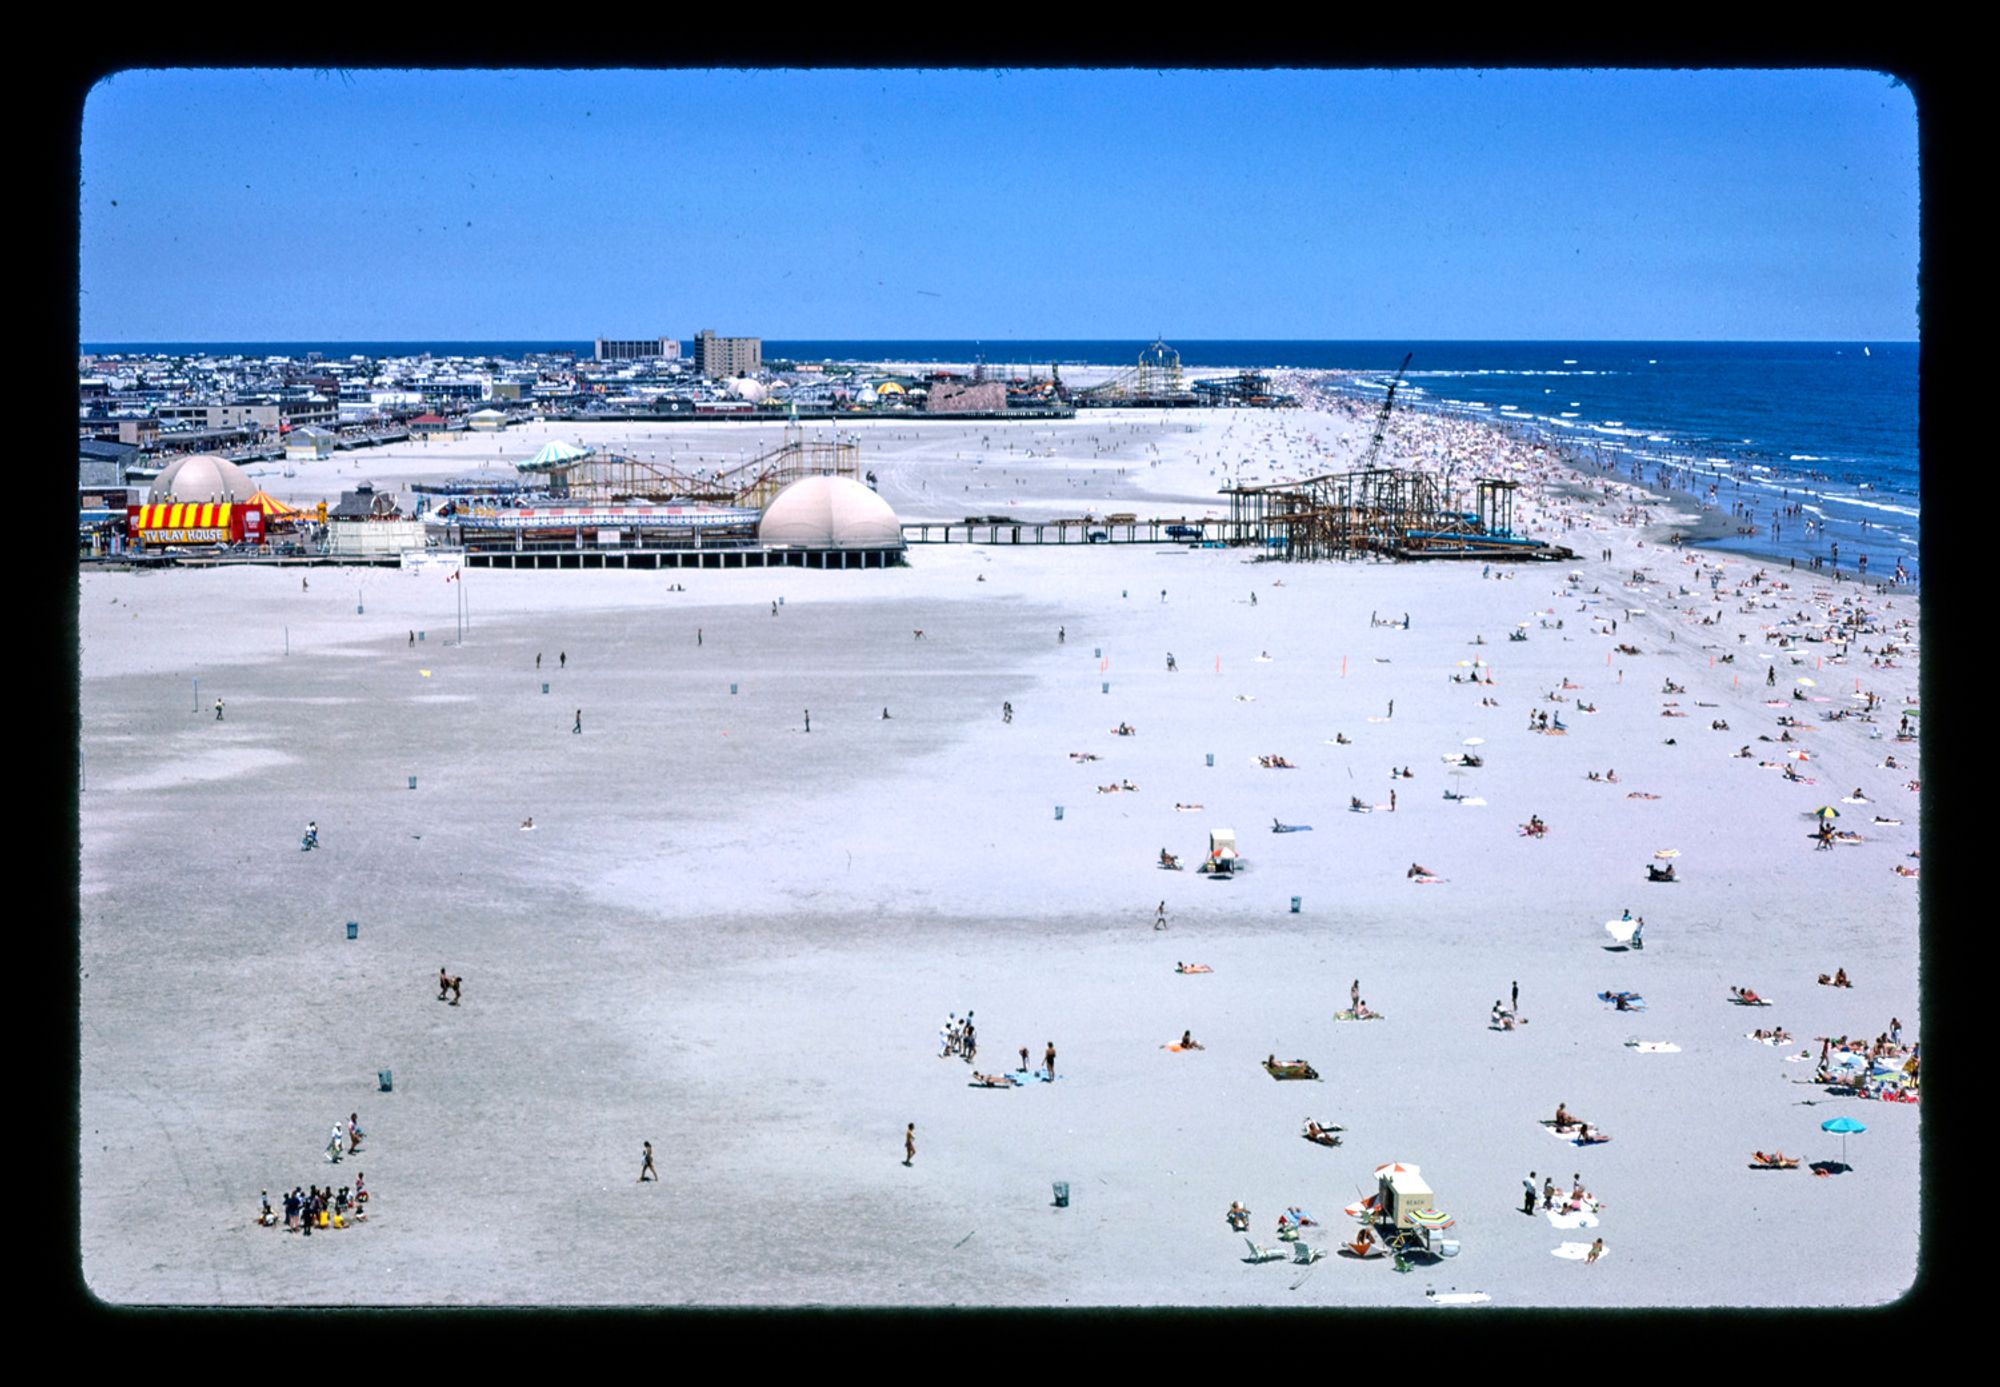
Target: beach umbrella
[1842, 1125]
[1396, 1168]
[1621, 930]
[1807, 682]
[1430, 1218]
[1474, 741]
[1827, 811]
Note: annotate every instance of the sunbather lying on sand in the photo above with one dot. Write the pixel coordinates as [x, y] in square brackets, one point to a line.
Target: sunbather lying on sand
[1189, 808]
[1776, 1160]
[1192, 968]
[1188, 1041]
[1417, 870]
[1325, 1136]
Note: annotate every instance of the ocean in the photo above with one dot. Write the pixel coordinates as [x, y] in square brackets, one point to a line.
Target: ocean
[1829, 427]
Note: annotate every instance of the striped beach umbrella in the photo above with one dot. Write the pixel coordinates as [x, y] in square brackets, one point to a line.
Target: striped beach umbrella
[1431, 1218]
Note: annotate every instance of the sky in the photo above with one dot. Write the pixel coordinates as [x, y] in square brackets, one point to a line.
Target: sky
[298, 205]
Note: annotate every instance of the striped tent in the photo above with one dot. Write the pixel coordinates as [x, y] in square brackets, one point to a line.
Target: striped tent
[272, 507]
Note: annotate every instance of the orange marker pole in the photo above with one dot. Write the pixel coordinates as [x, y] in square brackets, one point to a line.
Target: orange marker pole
[1343, 670]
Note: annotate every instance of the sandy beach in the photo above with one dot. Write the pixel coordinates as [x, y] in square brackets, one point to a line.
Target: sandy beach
[737, 939]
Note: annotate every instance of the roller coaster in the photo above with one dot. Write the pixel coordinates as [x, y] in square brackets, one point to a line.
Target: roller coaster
[612, 477]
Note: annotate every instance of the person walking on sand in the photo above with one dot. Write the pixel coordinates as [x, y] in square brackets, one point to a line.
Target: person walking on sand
[1049, 1060]
[809, 719]
[1392, 801]
[1024, 1059]
[1549, 1193]
[1062, 635]
[1160, 916]
[579, 721]
[1392, 707]
[562, 659]
[538, 660]
[413, 639]
[218, 710]
[646, 1169]
[909, 1143]
[1354, 995]
[1528, 1206]
[697, 635]
[1514, 998]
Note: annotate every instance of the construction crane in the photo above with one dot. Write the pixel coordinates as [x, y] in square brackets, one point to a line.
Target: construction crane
[1382, 419]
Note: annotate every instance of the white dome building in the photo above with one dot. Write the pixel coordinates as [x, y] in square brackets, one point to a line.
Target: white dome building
[203, 479]
[830, 515]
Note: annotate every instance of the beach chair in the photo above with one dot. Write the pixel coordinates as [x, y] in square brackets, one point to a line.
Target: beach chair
[1263, 1254]
[1305, 1255]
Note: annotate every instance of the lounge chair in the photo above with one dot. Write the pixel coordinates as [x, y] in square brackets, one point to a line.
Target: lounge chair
[1305, 1255]
[1263, 1254]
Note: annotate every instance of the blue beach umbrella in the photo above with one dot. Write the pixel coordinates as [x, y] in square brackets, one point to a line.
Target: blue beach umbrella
[1842, 1125]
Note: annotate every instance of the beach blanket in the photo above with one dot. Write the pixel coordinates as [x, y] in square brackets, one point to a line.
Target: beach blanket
[1194, 968]
[1428, 881]
[1576, 1252]
[1765, 1039]
[1639, 794]
[1582, 1218]
[1349, 1015]
[1473, 802]
[1013, 1081]
[1653, 1047]
[1459, 1298]
[1632, 1000]
[1291, 828]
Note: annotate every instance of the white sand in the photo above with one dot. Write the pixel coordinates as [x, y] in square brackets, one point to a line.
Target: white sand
[738, 940]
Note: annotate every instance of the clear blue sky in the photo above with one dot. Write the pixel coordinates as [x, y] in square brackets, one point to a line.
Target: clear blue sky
[286, 205]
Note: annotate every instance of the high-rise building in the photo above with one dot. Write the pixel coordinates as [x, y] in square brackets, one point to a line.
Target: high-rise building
[717, 357]
[642, 349]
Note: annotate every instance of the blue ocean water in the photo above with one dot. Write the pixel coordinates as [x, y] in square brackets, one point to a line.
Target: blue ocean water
[1828, 427]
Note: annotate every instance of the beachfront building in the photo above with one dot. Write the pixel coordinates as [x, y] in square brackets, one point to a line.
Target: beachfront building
[721, 357]
[639, 349]
[486, 421]
[307, 444]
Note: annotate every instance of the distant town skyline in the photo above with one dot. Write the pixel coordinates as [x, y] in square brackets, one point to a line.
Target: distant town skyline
[384, 206]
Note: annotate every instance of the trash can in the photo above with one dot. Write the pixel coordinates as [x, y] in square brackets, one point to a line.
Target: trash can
[1098, 653]
[1295, 905]
[545, 688]
[1062, 1194]
[1058, 813]
[353, 929]
[413, 782]
[420, 637]
[732, 688]
[385, 1078]
[1107, 685]
[1211, 758]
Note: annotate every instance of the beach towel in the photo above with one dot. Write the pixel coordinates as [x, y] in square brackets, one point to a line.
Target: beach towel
[1582, 1218]
[1291, 828]
[1639, 794]
[1576, 1252]
[1475, 802]
[1349, 1015]
[1762, 1039]
[1195, 968]
[1013, 1082]
[1632, 1000]
[1428, 881]
[1460, 1298]
[1653, 1047]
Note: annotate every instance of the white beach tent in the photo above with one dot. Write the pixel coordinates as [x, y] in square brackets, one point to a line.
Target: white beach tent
[553, 454]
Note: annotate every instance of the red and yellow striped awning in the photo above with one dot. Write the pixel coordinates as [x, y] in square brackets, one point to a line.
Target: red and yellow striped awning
[184, 516]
